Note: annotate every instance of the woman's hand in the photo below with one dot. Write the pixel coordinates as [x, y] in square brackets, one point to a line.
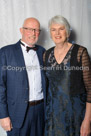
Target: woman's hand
[85, 129]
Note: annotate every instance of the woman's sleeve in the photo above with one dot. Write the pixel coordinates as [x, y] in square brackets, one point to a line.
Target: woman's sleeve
[86, 65]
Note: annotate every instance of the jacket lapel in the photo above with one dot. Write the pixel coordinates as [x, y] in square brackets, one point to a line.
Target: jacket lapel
[39, 54]
[20, 59]
[40, 57]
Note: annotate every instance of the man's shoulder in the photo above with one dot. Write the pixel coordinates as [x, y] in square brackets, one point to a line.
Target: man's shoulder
[8, 47]
[40, 47]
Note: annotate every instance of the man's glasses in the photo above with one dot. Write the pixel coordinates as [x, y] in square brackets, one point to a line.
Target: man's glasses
[32, 30]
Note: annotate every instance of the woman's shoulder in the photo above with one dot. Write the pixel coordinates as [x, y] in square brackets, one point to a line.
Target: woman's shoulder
[77, 52]
[78, 49]
[50, 49]
[79, 46]
[47, 52]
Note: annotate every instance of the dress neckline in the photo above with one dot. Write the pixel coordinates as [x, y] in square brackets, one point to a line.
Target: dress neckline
[64, 56]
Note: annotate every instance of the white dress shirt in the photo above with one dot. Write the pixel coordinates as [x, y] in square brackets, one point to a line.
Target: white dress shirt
[33, 72]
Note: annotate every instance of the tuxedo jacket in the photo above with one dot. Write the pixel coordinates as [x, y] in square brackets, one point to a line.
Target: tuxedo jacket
[14, 86]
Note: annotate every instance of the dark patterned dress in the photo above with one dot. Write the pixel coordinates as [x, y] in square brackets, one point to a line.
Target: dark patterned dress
[64, 113]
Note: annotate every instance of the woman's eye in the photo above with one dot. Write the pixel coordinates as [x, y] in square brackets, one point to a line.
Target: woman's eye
[61, 28]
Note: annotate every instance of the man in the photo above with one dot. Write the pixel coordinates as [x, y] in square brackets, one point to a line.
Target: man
[22, 84]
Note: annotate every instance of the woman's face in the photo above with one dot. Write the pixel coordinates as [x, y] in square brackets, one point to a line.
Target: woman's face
[58, 33]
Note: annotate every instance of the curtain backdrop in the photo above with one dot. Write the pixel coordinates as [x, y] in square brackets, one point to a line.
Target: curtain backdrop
[13, 13]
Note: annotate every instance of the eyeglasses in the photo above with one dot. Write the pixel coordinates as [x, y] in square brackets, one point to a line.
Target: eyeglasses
[32, 30]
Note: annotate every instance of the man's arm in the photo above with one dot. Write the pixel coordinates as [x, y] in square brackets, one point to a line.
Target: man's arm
[4, 117]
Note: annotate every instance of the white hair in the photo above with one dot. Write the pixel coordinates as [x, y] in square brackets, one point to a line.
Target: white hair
[60, 20]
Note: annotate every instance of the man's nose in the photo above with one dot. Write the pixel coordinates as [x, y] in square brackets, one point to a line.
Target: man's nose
[34, 31]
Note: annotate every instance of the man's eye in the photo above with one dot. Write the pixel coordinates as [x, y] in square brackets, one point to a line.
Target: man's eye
[31, 29]
[53, 30]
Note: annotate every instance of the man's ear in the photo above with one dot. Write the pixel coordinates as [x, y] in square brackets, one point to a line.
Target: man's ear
[21, 30]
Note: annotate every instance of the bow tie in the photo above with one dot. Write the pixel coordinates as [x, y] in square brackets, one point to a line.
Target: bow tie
[29, 48]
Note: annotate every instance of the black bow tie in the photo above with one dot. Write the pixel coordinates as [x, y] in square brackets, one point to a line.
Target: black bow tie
[29, 48]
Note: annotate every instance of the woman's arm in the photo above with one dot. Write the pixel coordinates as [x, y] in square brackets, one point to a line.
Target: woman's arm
[86, 124]
[86, 64]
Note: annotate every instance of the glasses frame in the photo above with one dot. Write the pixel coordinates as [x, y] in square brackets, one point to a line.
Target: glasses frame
[32, 30]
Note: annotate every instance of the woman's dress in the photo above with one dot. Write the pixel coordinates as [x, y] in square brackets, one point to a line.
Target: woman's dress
[64, 113]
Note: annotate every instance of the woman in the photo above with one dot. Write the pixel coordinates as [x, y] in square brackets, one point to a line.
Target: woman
[68, 70]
